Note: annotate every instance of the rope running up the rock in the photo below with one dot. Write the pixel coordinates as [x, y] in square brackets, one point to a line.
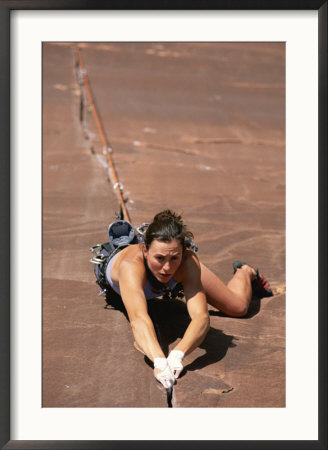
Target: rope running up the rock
[107, 148]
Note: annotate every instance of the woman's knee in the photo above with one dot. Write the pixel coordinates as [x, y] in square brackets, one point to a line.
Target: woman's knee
[239, 310]
[239, 307]
[235, 306]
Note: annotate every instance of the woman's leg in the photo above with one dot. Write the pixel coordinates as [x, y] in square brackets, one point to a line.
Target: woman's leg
[234, 298]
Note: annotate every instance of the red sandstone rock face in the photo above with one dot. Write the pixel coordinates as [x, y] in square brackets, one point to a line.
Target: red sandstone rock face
[198, 128]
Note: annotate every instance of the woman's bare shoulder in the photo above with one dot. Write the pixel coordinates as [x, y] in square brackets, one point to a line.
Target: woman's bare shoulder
[132, 253]
[189, 257]
[189, 265]
[129, 260]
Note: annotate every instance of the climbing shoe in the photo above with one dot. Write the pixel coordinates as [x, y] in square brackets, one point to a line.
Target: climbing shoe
[260, 285]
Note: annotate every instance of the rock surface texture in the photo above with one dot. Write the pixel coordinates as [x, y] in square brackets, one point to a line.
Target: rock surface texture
[198, 128]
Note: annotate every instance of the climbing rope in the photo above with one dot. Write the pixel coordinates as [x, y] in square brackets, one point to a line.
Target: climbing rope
[107, 148]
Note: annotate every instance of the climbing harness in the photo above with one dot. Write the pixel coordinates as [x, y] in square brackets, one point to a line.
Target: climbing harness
[121, 234]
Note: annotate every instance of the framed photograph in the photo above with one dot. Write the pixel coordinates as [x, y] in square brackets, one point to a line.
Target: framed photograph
[248, 88]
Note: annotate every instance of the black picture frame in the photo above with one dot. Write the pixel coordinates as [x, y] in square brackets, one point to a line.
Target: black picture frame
[5, 236]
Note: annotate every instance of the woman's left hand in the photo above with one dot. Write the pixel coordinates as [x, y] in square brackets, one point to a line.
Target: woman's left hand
[175, 362]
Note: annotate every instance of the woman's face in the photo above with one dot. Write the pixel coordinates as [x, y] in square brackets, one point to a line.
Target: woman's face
[163, 258]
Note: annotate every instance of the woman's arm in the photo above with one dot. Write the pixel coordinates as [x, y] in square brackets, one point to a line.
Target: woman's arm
[196, 305]
[131, 276]
[197, 308]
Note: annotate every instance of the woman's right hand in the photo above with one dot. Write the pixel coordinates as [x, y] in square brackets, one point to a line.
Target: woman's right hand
[163, 373]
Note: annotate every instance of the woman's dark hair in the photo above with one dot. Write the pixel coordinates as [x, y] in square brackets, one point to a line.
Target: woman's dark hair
[167, 226]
